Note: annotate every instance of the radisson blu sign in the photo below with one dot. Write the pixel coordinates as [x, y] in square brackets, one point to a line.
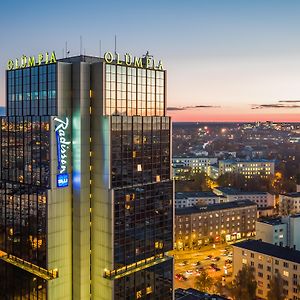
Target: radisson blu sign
[63, 146]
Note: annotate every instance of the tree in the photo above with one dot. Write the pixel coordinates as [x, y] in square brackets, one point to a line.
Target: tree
[244, 284]
[203, 282]
[276, 288]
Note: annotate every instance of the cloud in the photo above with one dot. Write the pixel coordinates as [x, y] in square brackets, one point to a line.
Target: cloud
[174, 108]
[261, 106]
[289, 101]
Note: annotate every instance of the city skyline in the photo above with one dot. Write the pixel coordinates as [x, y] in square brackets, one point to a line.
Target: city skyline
[237, 61]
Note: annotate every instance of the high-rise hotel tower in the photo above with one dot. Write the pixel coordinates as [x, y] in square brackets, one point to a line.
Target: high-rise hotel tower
[86, 197]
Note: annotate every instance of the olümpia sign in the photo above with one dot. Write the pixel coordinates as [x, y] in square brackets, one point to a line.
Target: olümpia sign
[147, 62]
[31, 61]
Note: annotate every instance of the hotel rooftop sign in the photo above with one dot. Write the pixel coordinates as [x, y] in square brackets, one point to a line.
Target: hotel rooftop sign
[31, 61]
[147, 62]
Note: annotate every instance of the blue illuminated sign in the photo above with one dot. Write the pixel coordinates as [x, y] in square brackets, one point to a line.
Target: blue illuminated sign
[62, 180]
[62, 151]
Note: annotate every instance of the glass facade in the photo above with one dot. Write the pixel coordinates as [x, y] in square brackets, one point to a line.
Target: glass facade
[32, 91]
[25, 178]
[143, 204]
[134, 91]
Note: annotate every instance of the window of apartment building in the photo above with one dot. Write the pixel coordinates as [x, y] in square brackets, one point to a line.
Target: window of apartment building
[252, 263]
[244, 261]
[276, 271]
[268, 268]
[260, 283]
[260, 257]
[260, 274]
[295, 282]
[269, 277]
[260, 291]
[252, 255]
[285, 273]
[260, 266]
[295, 276]
[276, 262]
[285, 264]
[285, 282]
[295, 267]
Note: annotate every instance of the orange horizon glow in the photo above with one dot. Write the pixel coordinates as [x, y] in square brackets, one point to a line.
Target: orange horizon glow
[203, 116]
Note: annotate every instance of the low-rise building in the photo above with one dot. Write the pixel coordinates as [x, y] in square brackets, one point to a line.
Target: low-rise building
[268, 211]
[188, 199]
[193, 164]
[289, 203]
[282, 231]
[268, 260]
[248, 168]
[262, 199]
[193, 294]
[272, 231]
[198, 225]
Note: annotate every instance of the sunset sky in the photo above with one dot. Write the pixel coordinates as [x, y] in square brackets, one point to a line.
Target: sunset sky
[226, 60]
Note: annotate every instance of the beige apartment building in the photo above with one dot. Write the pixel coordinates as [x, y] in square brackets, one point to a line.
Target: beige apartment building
[197, 225]
[268, 260]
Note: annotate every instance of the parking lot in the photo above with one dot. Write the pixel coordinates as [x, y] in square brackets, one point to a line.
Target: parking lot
[214, 259]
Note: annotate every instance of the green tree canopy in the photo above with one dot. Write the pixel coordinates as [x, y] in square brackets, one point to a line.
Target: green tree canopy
[276, 288]
[203, 282]
[244, 284]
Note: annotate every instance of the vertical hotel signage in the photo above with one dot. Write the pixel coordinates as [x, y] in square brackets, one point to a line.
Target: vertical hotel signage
[63, 146]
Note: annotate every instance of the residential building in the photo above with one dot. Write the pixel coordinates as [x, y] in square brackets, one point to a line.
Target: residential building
[248, 168]
[188, 199]
[268, 260]
[198, 225]
[193, 164]
[289, 203]
[86, 198]
[272, 231]
[262, 199]
[193, 294]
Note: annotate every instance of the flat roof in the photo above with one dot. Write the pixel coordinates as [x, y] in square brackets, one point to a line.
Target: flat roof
[232, 191]
[274, 221]
[270, 249]
[193, 294]
[185, 195]
[293, 195]
[214, 207]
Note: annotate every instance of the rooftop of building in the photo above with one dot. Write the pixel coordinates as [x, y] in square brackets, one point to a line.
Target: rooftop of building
[242, 160]
[214, 207]
[192, 294]
[192, 157]
[293, 195]
[271, 221]
[258, 246]
[185, 195]
[232, 191]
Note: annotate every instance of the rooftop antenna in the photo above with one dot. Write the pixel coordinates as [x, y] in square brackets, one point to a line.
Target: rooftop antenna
[80, 45]
[115, 44]
[100, 49]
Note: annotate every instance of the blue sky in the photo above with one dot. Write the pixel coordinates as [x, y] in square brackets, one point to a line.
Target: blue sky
[232, 55]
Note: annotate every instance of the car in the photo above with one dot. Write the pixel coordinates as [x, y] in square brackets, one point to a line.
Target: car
[189, 272]
[182, 263]
[208, 257]
[217, 258]
[194, 264]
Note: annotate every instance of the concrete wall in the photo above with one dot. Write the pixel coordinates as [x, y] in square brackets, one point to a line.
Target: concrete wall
[81, 179]
[59, 222]
[102, 197]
